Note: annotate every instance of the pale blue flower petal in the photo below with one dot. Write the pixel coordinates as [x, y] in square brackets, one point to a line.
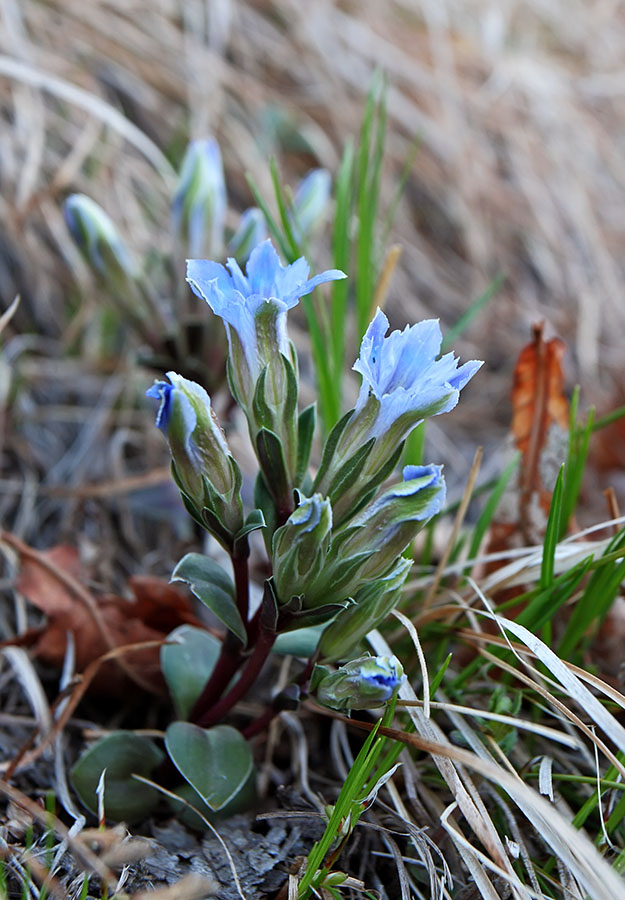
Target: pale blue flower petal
[401, 370]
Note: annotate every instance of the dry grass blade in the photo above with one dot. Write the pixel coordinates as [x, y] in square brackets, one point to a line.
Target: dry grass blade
[8, 314]
[573, 847]
[93, 105]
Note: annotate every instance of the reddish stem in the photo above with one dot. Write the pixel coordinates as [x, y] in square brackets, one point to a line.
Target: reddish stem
[246, 680]
[227, 664]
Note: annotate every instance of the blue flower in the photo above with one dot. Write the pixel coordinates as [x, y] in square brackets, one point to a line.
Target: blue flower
[402, 372]
[254, 306]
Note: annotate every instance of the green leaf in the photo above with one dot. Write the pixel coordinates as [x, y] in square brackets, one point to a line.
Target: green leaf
[187, 664]
[302, 642]
[254, 521]
[215, 761]
[184, 809]
[213, 587]
[123, 755]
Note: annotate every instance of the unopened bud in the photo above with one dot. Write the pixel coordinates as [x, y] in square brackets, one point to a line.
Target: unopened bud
[364, 683]
[204, 468]
[97, 238]
[251, 231]
[371, 605]
[199, 204]
[310, 202]
[300, 546]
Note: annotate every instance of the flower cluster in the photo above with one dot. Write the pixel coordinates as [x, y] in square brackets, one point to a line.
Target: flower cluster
[336, 542]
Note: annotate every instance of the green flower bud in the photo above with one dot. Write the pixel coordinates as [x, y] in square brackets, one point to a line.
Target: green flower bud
[199, 205]
[364, 683]
[98, 239]
[300, 546]
[251, 231]
[310, 202]
[205, 470]
[370, 607]
[369, 545]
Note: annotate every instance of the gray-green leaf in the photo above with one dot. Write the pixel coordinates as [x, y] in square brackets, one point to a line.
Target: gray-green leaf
[214, 587]
[215, 761]
[187, 663]
[123, 755]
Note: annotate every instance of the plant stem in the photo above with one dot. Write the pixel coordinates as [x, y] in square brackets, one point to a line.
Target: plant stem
[242, 583]
[227, 664]
[248, 676]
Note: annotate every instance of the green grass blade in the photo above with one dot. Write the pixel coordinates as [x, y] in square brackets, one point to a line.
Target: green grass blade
[476, 307]
[272, 225]
[490, 507]
[552, 533]
[341, 253]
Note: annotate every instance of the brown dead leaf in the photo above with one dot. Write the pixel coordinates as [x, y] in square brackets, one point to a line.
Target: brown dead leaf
[538, 407]
[53, 581]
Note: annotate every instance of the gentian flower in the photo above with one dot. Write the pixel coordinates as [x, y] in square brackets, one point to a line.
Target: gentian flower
[364, 683]
[205, 471]
[254, 307]
[403, 382]
[199, 204]
[403, 374]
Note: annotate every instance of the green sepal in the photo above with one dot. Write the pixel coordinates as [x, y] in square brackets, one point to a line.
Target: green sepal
[270, 608]
[273, 464]
[289, 410]
[291, 618]
[305, 432]
[262, 412]
[214, 588]
[355, 503]
[267, 506]
[350, 471]
[330, 446]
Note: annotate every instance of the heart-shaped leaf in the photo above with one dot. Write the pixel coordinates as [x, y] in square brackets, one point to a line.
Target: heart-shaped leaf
[215, 761]
[213, 587]
[187, 660]
[123, 755]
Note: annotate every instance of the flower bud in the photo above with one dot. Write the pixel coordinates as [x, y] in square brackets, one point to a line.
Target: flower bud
[310, 202]
[97, 238]
[205, 470]
[386, 526]
[364, 683]
[251, 231]
[199, 204]
[369, 545]
[300, 546]
[371, 605]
